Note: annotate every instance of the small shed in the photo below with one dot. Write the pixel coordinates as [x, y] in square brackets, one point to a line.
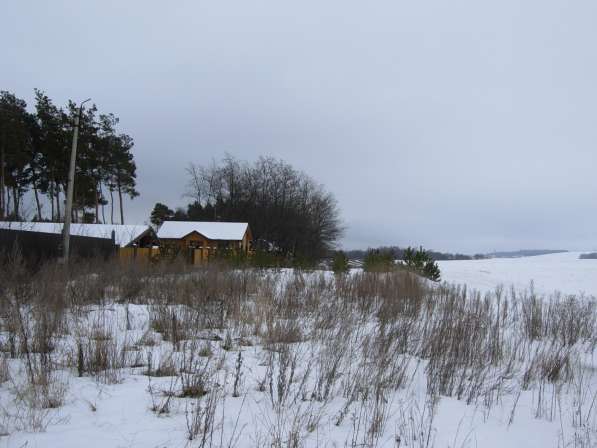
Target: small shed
[201, 239]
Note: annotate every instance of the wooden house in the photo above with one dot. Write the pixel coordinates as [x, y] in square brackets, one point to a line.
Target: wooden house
[200, 240]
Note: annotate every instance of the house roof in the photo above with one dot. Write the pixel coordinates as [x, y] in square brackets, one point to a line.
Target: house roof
[229, 231]
[124, 234]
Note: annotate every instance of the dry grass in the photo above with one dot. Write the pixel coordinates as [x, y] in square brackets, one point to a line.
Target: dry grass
[356, 339]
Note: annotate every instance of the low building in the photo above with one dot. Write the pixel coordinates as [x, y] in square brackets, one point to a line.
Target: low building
[43, 240]
[199, 240]
[123, 235]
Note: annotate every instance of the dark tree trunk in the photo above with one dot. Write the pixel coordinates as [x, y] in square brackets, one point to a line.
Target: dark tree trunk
[51, 192]
[64, 188]
[97, 194]
[57, 203]
[111, 206]
[7, 202]
[103, 208]
[15, 200]
[37, 202]
[120, 201]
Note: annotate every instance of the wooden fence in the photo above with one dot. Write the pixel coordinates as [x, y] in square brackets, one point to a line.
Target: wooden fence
[38, 247]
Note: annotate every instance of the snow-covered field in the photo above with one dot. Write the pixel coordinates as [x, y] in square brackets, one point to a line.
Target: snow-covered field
[563, 272]
[293, 360]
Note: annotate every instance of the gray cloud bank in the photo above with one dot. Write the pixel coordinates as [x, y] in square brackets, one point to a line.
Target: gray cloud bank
[464, 125]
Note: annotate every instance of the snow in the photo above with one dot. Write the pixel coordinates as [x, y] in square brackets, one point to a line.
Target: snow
[231, 231]
[563, 272]
[123, 419]
[97, 415]
[124, 234]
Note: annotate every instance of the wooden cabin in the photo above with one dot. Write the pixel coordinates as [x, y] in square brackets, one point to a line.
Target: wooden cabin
[200, 240]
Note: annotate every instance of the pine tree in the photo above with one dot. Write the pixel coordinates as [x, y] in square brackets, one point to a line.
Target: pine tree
[85, 193]
[195, 212]
[160, 213]
[340, 262]
[15, 150]
[379, 260]
[124, 170]
[35, 155]
[51, 143]
[422, 263]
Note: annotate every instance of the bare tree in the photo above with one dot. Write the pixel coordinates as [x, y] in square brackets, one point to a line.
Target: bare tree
[284, 207]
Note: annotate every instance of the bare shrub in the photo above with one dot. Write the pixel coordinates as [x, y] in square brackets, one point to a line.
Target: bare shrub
[532, 313]
[205, 350]
[160, 400]
[165, 366]
[283, 332]
[47, 392]
[327, 368]
[200, 418]
[166, 320]
[194, 372]
[100, 357]
[227, 344]
[148, 339]
[551, 363]
[37, 399]
[414, 426]
[131, 284]
[571, 320]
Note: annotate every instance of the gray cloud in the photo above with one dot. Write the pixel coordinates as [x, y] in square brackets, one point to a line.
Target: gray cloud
[459, 125]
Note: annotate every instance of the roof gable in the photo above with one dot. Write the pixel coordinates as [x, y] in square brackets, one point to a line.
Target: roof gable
[228, 231]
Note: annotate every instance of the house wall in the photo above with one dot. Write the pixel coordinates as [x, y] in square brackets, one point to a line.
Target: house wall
[138, 254]
[247, 240]
[199, 241]
[197, 248]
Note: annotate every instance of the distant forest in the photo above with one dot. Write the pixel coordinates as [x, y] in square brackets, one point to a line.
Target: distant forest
[438, 256]
[589, 256]
[35, 152]
[289, 213]
[525, 253]
[399, 254]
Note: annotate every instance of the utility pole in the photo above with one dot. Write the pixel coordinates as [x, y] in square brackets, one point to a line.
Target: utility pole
[71, 187]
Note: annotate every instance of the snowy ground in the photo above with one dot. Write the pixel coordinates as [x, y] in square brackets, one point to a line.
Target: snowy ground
[563, 272]
[320, 391]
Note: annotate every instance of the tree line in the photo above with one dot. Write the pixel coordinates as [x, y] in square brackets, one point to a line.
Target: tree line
[35, 152]
[419, 261]
[289, 213]
[398, 253]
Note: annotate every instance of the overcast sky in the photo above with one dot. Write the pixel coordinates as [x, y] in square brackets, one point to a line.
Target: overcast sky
[460, 125]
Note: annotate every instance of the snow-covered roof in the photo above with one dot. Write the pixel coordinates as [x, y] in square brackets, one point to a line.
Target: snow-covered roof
[229, 231]
[124, 234]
